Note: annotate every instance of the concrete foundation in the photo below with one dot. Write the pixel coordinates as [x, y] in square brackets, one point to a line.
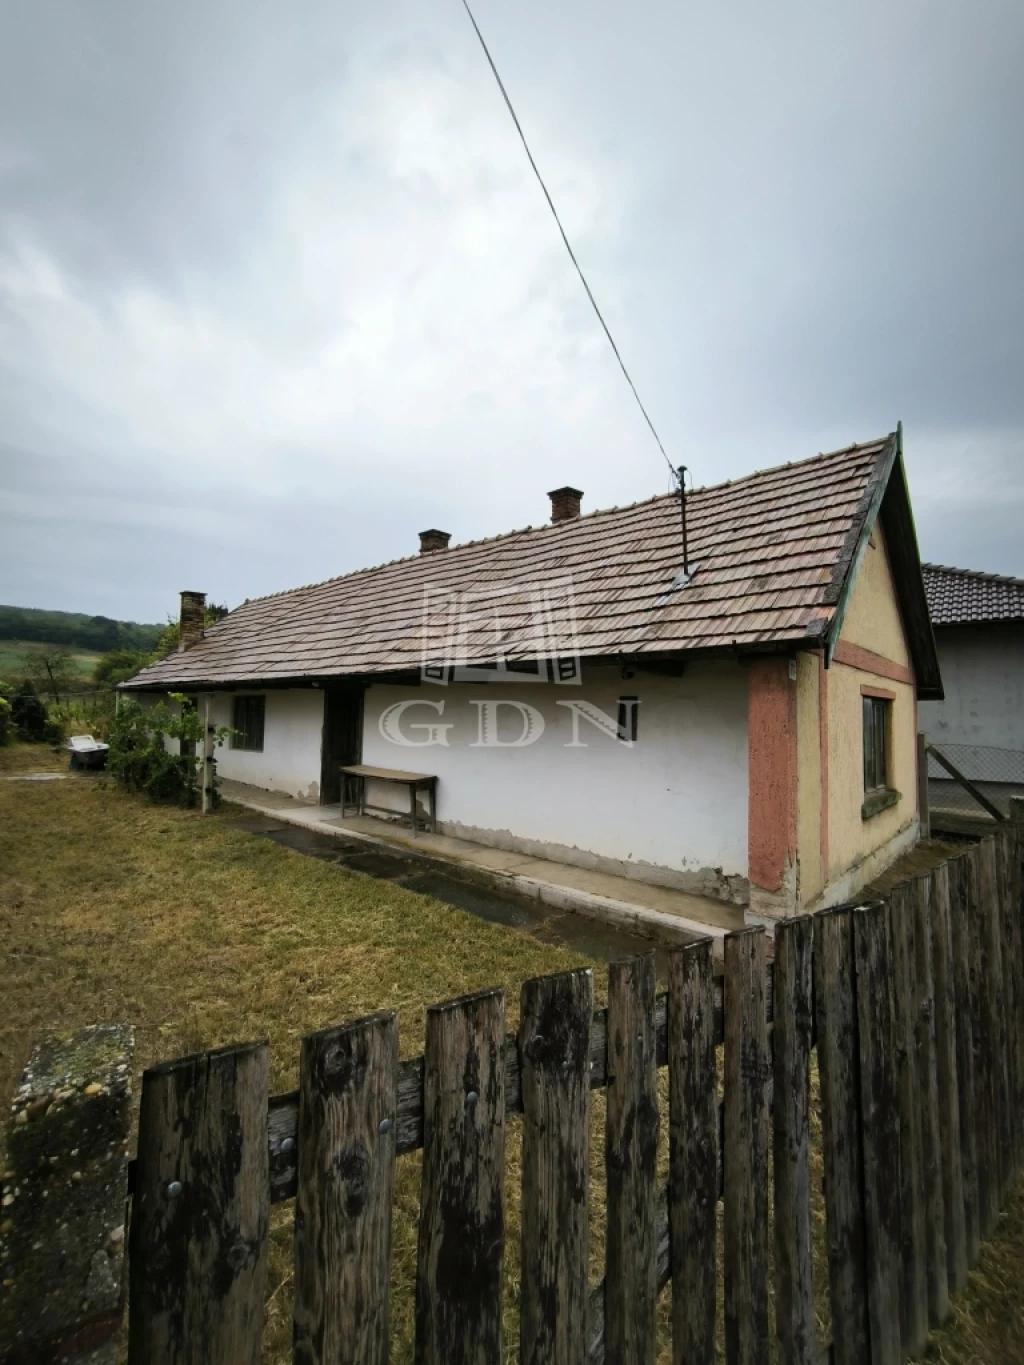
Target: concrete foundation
[705, 881]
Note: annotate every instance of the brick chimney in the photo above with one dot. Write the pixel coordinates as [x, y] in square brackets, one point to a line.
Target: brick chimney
[192, 619]
[433, 540]
[565, 503]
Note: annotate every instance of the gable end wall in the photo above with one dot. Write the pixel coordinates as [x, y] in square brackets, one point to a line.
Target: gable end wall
[873, 653]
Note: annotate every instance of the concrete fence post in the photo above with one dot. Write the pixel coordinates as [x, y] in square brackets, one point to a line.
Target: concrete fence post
[65, 1190]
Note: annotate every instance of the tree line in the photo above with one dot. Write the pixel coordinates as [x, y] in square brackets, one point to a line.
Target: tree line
[49, 697]
[71, 629]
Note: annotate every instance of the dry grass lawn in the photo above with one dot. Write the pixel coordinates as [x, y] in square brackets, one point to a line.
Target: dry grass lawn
[200, 934]
[112, 909]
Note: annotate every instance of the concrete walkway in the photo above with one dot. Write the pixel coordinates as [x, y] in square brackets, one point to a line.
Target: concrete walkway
[654, 910]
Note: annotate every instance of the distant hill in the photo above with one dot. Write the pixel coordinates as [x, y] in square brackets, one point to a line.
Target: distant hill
[75, 630]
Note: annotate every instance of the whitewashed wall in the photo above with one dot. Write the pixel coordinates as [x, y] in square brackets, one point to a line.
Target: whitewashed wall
[673, 808]
[290, 760]
[983, 677]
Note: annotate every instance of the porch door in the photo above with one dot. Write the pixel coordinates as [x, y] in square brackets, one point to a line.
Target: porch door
[342, 738]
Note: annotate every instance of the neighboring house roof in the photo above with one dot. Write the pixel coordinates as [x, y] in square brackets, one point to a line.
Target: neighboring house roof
[966, 596]
[775, 553]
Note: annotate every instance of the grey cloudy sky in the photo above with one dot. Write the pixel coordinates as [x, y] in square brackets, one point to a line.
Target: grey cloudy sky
[277, 289]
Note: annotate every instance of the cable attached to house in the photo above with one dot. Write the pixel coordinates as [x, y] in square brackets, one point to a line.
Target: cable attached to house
[682, 511]
[565, 239]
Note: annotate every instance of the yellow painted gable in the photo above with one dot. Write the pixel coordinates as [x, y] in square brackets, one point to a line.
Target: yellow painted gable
[872, 615]
[856, 843]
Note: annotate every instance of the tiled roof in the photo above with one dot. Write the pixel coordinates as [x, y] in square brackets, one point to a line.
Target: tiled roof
[772, 552]
[960, 596]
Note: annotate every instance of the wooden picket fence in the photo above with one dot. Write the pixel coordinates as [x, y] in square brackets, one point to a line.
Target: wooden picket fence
[914, 1006]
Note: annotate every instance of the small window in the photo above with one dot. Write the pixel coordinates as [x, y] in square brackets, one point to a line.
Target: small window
[628, 707]
[248, 723]
[877, 712]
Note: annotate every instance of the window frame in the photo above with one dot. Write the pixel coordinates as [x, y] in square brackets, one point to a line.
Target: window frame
[877, 712]
[876, 730]
[248, 732]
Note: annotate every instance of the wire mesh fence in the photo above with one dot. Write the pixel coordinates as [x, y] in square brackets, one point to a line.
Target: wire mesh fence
[996, 774]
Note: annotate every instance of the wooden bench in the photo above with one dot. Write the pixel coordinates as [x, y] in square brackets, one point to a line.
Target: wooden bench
[416, 782]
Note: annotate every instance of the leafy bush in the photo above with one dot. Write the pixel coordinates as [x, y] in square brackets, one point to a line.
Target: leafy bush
[28, 713]
[92, 715]
[119, 665]
[139, 760]
[6, 722]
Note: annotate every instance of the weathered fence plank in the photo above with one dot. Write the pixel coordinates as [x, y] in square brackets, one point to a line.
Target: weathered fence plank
[992, 910]
[919, 1008]
[913, 1296]
[880, 1128]
[963, 985]
[345, 1185]
[284, 1109]
[1005, 840]
[199, 1220]
[663, 1271]
[746, 1151]
[462, 1198]
[1011, 1125]
[987, 1120]
[839, 1071]
[793, 1039]
[554, 1046]
[928, 1091]
[1016, 833]
[631, 1159]
[947, 1095]
[693, 1152]
[1009, 837]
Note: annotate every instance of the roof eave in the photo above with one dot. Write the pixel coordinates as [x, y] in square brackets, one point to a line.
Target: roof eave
[845, 573]
[810, 638]
[897, 518]
[978, 622]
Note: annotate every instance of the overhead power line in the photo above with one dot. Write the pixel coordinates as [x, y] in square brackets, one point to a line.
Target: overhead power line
[565, 239]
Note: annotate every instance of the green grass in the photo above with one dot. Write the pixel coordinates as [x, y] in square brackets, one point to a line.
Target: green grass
[15, 655]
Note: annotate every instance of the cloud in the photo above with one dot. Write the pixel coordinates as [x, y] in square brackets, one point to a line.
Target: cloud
[277, 287]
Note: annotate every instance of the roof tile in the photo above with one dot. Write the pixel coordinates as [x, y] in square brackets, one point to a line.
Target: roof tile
[961, 596]
[768, 550]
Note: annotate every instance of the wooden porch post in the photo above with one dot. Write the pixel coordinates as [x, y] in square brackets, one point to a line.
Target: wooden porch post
[207, 758]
